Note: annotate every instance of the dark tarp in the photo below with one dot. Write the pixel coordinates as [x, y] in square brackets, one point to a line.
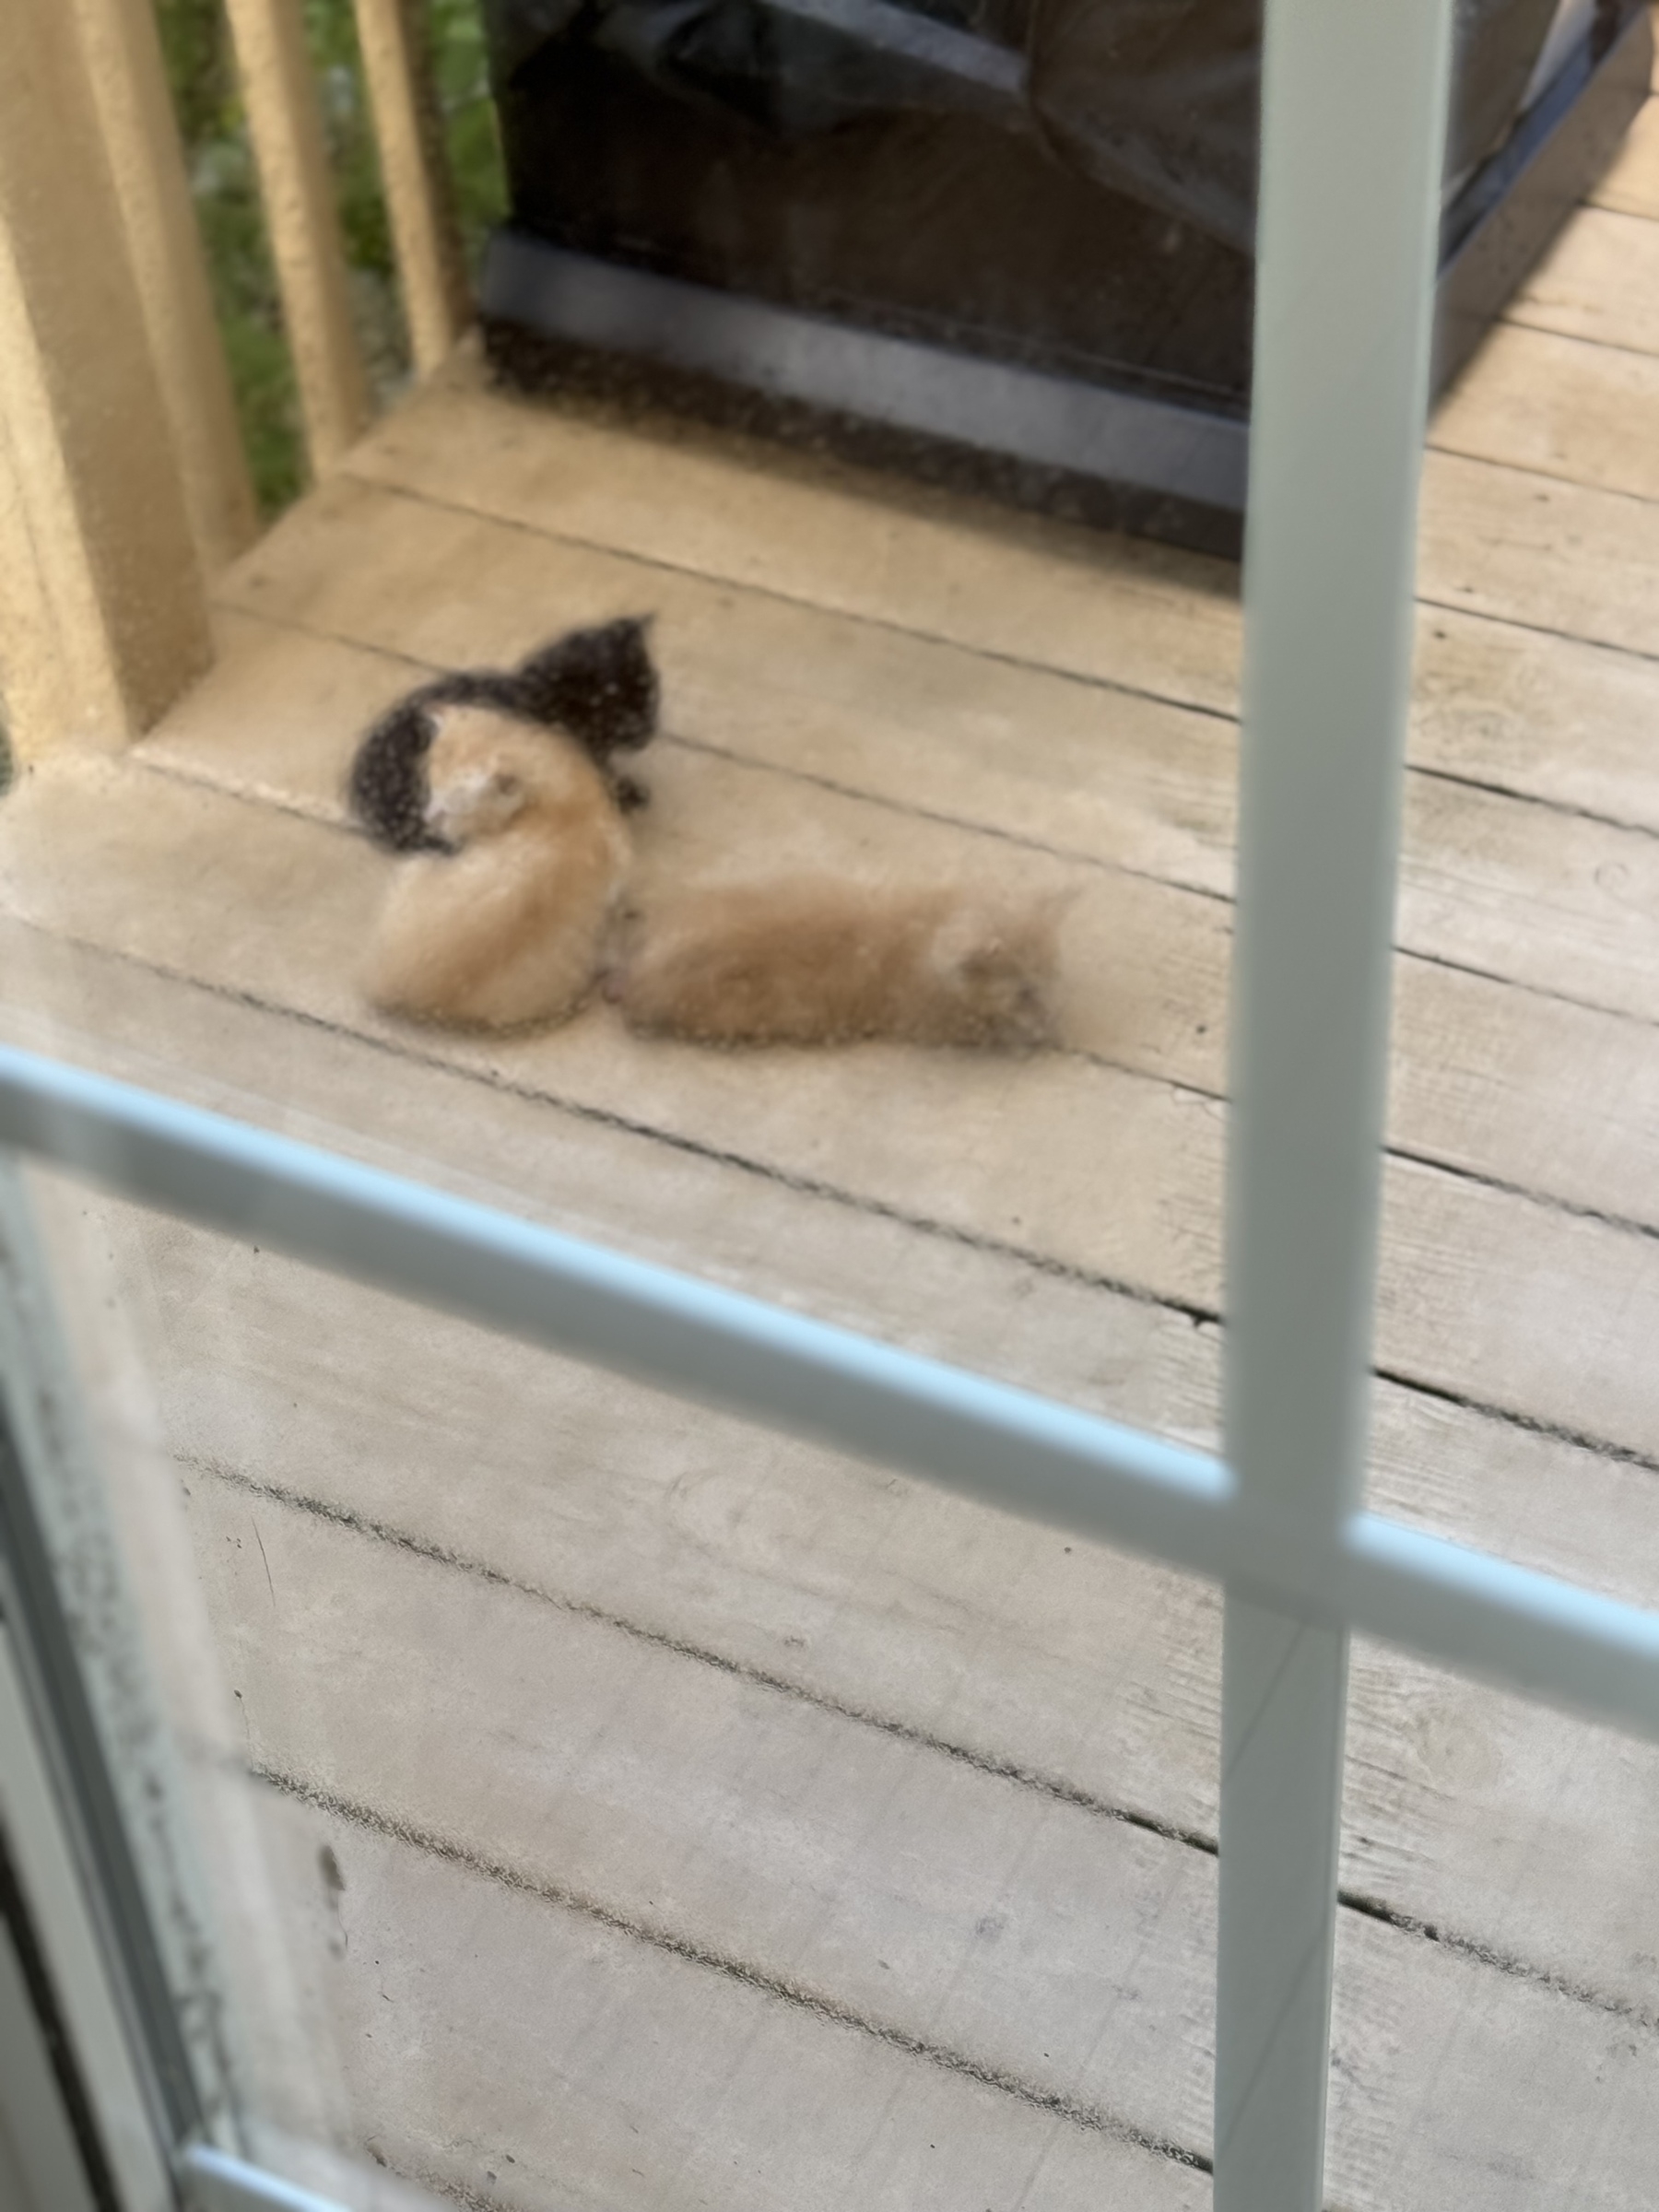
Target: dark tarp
[792, 69]
[1160, 98]
[1156, 98]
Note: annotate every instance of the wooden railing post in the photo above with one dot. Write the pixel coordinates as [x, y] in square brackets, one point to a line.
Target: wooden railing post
[285, 123]
[103, 616]
[129, 85]
[409, 132]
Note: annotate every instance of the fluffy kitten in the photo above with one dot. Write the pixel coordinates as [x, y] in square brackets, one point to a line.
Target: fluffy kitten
[820, 960]
[599, 686]
[503, 923]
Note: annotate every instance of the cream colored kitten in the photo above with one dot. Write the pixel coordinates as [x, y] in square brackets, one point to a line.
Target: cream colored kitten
[507, 926]
[820, 960]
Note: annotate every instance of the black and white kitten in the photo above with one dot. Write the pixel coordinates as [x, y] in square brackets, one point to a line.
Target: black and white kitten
[598, 685]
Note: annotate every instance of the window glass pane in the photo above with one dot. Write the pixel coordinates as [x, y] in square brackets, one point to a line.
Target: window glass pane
[599, 1799]
[1495, 1979]
[1495, 1989]
[603, 1799]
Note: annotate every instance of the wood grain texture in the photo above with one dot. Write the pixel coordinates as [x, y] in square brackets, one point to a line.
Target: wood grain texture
[286, 125]
[1529, 549]
[1534, 714]
[1598, 282]
[493, 2040]
[1562, 406]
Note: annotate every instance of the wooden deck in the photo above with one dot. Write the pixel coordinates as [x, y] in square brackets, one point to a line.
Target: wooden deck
[722, 1823]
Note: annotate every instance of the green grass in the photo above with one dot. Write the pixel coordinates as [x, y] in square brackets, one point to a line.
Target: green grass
[202, 70]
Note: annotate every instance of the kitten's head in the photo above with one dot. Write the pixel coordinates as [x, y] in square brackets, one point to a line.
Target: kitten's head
[483, 770]
[387, 786]
[599, 684]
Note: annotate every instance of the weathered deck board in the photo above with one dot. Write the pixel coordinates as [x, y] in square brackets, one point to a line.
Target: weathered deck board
[765, 1831]
[628, 2053]
[1489, 1816]
[1532, 712]
[1632, 185]
[630, 2075]
[1144, 616]
[916, 1892]
[1516, 709]
[1502, 542]
[1527, 1088]
[1599, 281]
[226, 893]
[1094, 1671]
[1563, 406]
[1562, 905]
[1043, 1684]
[1530, 548]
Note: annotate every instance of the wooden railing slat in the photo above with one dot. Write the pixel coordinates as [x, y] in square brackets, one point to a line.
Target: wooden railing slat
[129, 85]
[418, 197]
[286, 124]
[103, 618]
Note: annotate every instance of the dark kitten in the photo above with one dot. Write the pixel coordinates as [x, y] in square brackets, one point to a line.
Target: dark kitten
[598, 685]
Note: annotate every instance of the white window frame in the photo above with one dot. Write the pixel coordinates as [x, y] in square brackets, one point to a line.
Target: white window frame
[1355, 104]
